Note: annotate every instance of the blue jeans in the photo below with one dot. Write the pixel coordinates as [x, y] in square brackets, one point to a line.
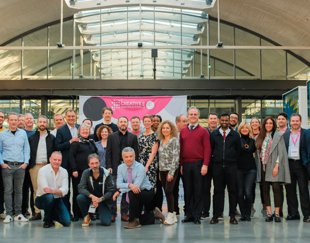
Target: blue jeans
[54, 209]
[103, 209]
[246, 180]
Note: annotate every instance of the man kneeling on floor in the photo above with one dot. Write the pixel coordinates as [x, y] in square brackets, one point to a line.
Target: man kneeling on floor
[96, 189]
[52, 186]
[131, 179]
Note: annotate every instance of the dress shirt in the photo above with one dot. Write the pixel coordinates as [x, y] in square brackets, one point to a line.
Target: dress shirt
[73, 130]
[291, 147]
[138, 177]
[41, 151]
[123, 138]
[47, 178]
[14, 148]
[189, 126]
[227, 131]
[54, 132]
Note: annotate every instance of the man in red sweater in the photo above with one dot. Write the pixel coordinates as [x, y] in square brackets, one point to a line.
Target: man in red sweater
[195, 152]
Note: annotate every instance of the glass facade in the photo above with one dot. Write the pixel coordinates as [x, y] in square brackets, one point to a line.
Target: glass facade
[153, 26]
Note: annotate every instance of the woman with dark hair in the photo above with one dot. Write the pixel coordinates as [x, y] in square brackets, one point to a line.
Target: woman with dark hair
[102, 134]
[272, 165]
[156, 121]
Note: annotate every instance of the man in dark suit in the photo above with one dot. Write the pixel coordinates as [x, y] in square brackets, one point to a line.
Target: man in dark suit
[66, 135]
[117, 141]
[293, 142]
[107, 114]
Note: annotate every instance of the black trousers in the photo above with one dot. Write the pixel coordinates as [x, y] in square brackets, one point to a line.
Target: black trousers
[159, 195]
[66, 199]
[26, 187]
[136, 202]
[207, 183]
[176, 192]
[299, 175]
[230, 175]
[193, 188]
[75, 182]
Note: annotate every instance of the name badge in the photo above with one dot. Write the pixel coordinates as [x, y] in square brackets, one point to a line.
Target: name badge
[295, 153]
[91, 209]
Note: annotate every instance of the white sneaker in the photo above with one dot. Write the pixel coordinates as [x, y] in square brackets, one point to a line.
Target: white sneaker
[8, 219]
[20, 218]
[175, 217]
[2, 216]
[169, 219]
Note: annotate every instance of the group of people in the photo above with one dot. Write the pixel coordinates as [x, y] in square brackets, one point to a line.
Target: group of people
[103, 162]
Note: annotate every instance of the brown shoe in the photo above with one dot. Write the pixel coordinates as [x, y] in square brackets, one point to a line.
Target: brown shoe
[214, 221]
[133, 224]
[233, 220]
[36, 216]
[28, 213]
[125, 218]
[113, 218]
[159, 215]
[86, 221]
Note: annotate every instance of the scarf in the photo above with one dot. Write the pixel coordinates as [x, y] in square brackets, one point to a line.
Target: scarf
[265, 150]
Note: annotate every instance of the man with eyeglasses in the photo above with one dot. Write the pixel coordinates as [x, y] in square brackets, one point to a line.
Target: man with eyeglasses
[234, 120]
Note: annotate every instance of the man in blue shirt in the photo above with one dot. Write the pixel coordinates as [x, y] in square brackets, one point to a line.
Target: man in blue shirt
[131, 179]
[14, 158]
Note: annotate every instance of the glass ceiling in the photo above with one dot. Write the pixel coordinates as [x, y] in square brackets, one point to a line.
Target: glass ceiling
[151, 26]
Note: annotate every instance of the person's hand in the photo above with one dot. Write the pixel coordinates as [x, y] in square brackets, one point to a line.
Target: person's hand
[95, 204]
[159, 177]
[204, 170]
[48, 190]
[75, 139]
[4, 166]
[146, 169]
[75, 174]
[181, 170]
[134, 188]
[275, 171]
[95, 199]
[115, 196]
[23, 166]
[169, 178]
[111, 170]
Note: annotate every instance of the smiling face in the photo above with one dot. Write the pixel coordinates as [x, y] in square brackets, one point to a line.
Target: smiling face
[213, 121]
[182, 123]
[295, 122]
[13, 121]
[244, 130]
[269, 125]
[282, 122]
[94, 164]
[84, 132]
[129, 158]
[21, 122]
[147, 122]
[224, 121]
[233, 120]
[166, 130]
[58, 121]
[255, 124]
[107, 116]
[122, 124]
[104, 134]
[193, 116]
[42, 123]
[88, 122]
[156, 122]
[29, 121]
[71, 118]
[135, 124]
[55, 160]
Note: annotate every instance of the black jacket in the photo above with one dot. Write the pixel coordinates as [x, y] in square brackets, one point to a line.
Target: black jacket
[113, 151]
[225, 153]
[62, 144]
[79, 153]
[246, 157]
[34, 142]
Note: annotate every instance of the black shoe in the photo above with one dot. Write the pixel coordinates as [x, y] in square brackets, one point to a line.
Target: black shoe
[214, 221]
[306, 219]
[233, 220]
[248, 218]
[243, 218]
[92, 217]
[293, 217]
[177, 213]
[269, 218]
[188, 219]
[205, 216]
[281, 214]
[75, 218]
[197, 221]
[47, 224]
[277, 218]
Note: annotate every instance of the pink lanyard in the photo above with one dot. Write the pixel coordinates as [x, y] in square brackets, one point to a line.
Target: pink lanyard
[296, 138]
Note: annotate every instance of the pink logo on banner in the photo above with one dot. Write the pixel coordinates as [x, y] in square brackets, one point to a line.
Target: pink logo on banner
[136, 106]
